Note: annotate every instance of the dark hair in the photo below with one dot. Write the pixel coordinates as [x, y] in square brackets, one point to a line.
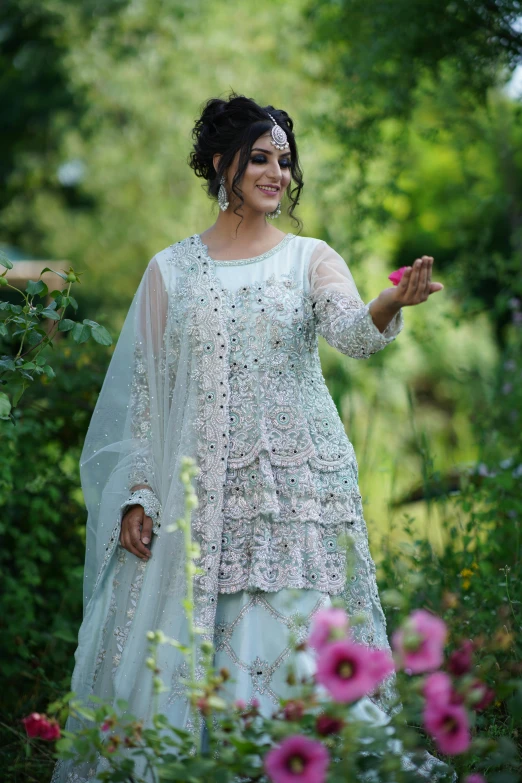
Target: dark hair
[226, 126]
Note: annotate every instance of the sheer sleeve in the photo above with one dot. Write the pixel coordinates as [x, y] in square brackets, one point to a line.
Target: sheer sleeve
[341, 316]
[151, 318]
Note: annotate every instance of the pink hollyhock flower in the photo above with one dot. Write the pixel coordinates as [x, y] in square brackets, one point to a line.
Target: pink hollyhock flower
[327, 625]
[475, 778]
[325, 725]
[297, 758]
[50, 731]
[349, 670]
[438, 689]
[37, 725]
[449, 726]
[419, 643]
[461, 661]
[396, 276]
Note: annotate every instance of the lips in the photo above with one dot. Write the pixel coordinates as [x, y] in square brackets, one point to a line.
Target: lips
[268, 191]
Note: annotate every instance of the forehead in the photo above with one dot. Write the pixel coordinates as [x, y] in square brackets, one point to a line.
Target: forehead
[263, 138]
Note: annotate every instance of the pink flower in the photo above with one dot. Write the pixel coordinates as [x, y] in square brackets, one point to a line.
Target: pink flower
[327, 625]
[396, 276]
[349, 670]
[438, 689]
[419, 643]
[240, 704]
[297, 758]
[475, 778]
[37, 725]
[449, 726]
[461, 661]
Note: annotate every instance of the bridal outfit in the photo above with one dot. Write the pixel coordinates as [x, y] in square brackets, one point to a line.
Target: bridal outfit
[218, 360]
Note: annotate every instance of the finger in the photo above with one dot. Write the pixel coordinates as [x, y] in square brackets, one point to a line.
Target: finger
[146, 530]
[414, 282]
[135, 540]
[423, 278]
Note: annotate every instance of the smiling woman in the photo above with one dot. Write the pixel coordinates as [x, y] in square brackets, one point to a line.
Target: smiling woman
[218, 361]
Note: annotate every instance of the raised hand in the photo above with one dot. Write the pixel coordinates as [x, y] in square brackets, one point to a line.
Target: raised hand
[415, 285]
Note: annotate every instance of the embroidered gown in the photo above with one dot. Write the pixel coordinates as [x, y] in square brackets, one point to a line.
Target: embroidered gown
[219, 360]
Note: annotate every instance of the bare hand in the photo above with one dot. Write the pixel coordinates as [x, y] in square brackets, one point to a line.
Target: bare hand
[415, 285]
[135, 532]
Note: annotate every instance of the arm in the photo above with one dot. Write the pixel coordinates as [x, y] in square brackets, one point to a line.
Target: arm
[143, 508]
[342, 318]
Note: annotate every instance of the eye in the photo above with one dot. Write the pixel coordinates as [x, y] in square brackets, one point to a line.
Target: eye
[285, 163]
[258, 159]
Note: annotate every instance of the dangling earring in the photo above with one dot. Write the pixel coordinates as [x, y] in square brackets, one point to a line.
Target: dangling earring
[222, 195]
[275, 213]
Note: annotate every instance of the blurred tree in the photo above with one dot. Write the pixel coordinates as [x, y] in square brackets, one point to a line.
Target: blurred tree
[431, 143]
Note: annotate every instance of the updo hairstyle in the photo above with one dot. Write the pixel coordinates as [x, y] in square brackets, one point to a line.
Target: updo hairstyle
[226, 126]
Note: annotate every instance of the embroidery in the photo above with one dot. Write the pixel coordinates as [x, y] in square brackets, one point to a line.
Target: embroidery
[242, 261]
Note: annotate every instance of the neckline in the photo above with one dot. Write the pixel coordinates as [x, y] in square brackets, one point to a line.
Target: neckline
[254, 259]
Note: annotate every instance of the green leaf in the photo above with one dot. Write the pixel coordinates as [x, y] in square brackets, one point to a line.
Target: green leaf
[18, 394]
[66, 325]
[73, 302]
[90, 323]
[4, 261]
[15, 308]
[5, 406]
[7, 364]
[48, 370]
[52, 314]
[29, 366]
[4, 331]
[101, 335]
[81, 333]
[36, 288]
[40, 361]
[60, 274]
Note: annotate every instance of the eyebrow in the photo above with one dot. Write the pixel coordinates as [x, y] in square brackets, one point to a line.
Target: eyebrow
[269, 152]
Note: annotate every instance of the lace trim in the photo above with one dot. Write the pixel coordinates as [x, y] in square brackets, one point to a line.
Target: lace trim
[241, 261]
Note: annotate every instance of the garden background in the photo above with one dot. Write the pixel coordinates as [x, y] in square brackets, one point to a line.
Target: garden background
[409, 129]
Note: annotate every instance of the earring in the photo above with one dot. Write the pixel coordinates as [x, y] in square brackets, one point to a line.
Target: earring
[222, 195]
[275, 213]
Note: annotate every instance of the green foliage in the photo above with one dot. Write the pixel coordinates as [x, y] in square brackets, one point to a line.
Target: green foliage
[43, 543]
[24, 334]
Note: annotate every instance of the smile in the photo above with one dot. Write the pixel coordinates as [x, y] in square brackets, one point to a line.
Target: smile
[270, 190]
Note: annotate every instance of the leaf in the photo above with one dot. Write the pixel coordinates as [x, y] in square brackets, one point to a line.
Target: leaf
[4, 261]
[5, 406]
[52, 314]
[40, 361]
[4, 331]
[7, 364]
[66, 325]
[73, 303]
[29, 366]
[90, 323]
[101, 335]
[81, 333]
[37, 288]
[18, 394]
[47, 269]
[48, 370]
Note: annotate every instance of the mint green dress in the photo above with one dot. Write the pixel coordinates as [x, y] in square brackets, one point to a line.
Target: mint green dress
[219, 360]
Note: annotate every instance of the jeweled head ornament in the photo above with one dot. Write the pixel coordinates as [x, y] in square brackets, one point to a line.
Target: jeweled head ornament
[279, 138]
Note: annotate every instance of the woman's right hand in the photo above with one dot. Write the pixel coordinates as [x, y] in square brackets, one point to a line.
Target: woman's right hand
[135, 532]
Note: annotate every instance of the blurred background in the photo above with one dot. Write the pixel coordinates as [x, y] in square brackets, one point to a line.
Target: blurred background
[408, 121]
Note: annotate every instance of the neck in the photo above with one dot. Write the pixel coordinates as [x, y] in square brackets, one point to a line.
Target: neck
[229, 227]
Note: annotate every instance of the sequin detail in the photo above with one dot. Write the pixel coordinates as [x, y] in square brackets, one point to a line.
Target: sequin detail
[242, 261]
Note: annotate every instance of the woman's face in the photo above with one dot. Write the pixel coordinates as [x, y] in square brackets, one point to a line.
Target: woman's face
[266, 176]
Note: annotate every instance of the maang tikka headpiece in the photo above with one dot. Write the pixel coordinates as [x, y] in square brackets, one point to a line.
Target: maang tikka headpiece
[279, 138]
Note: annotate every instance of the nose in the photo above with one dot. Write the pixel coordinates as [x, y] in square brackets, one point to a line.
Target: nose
[275, 171]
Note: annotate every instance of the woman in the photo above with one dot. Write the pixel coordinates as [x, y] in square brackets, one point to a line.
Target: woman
[218, 360]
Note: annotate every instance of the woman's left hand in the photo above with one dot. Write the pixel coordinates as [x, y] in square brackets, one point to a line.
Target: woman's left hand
[414, 287]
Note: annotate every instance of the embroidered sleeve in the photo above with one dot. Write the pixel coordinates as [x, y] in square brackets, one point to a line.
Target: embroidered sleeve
[341, 316]
[148, 361]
